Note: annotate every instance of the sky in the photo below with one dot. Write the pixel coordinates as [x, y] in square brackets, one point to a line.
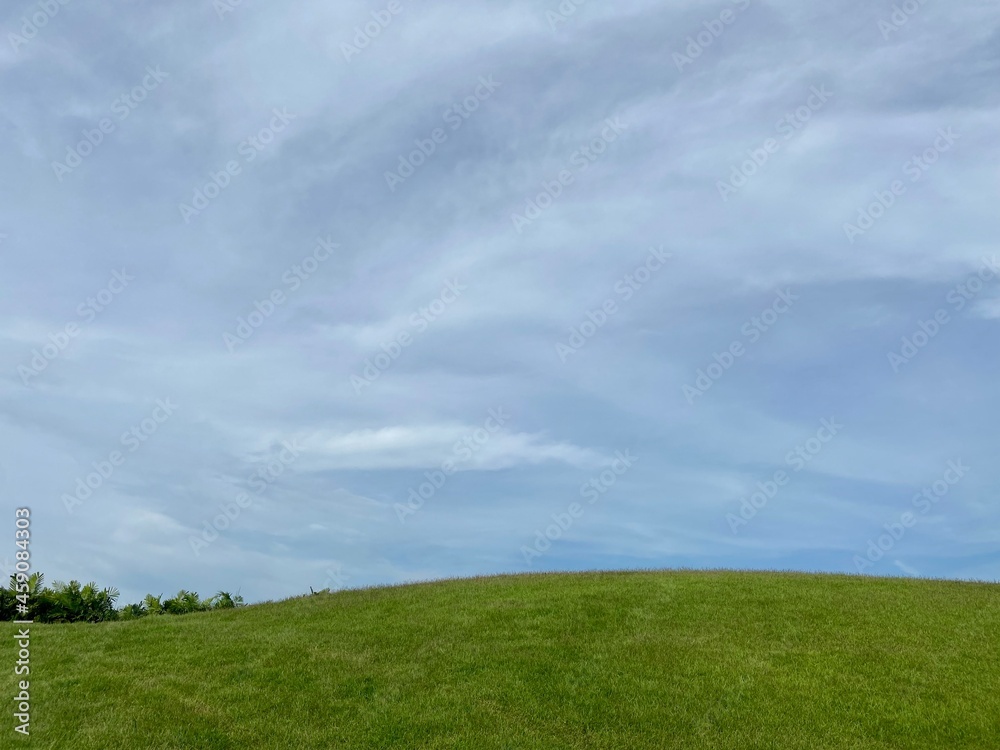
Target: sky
[338, 295]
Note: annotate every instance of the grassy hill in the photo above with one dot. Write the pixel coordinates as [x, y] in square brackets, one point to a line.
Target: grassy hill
[595, 660]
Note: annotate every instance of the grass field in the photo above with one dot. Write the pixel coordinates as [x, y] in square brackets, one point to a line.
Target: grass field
[595, 660]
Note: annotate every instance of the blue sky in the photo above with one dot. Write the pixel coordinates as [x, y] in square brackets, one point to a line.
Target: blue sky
[336, 296]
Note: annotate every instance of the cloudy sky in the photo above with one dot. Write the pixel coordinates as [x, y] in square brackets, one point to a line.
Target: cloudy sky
[358, 293]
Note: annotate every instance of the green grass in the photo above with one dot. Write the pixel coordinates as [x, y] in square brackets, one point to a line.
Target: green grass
[593, 660]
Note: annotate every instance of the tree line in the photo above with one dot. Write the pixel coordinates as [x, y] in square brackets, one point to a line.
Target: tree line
[75, 602]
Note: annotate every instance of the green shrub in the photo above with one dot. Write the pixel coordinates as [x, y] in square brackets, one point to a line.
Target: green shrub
[74, 602]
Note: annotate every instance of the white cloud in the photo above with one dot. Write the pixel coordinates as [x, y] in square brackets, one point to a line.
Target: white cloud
[424, 447]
